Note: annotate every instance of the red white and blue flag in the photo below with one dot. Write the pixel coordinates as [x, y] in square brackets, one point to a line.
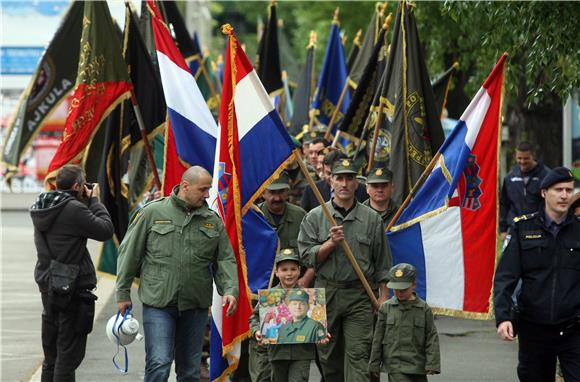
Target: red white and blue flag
[253, 147]
[190, 121]
[449, 230]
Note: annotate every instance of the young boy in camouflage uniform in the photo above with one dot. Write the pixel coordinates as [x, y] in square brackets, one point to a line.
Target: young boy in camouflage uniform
[405, 341]
[288, 362]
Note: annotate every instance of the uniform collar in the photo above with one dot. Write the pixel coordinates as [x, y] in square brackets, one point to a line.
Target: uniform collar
[353, 213]
[179, 203]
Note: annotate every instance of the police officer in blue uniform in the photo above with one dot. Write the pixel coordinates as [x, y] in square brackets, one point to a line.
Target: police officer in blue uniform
[543, 250]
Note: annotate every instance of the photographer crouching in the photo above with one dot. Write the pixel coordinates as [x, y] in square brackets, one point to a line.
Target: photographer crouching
[63, 221]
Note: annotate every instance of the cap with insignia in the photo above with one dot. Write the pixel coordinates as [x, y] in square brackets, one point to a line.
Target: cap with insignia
[287, 254]
[556, 175]
[402, 276]
[280, 183]
[310, 136]
[298, 295]
[379, 175]
[343, 166]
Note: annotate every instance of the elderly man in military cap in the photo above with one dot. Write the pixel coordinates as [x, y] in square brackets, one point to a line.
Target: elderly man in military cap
[284, 217]
[543, 250]
[349, 309]
[380, 187]
[302, 329]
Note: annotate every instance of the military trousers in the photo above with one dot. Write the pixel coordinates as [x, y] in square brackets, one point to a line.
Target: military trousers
[350, 323]
[400, 377]
[540, 345]
[290, 371]
[258, 364]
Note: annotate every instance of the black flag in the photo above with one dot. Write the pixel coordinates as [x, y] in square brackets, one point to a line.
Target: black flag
[441, 87]
[53, 80]
[268, 67]
[303, 95]
[410, 129]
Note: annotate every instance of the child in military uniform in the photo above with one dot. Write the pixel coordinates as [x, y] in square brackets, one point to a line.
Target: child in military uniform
[291, 362]
[405, 341]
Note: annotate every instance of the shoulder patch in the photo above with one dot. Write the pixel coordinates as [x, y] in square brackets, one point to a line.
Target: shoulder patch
[524, 217]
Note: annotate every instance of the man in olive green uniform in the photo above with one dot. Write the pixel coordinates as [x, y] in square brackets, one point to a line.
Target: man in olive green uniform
[284, 217]
[177, 243]
[349, 309]
[380, 188]
[407, 354]
[302, 329]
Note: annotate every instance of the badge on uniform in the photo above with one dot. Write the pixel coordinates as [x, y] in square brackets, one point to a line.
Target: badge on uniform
[162, 222]
[300, 338]
[208, 225]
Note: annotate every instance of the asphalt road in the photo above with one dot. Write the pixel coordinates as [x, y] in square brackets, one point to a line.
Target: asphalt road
[470, 350]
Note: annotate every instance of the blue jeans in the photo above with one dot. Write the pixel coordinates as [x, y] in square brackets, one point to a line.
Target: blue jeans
[171, 334]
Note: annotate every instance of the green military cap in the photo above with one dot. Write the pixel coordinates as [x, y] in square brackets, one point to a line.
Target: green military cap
[379, 175]
[280, 183]
[310, 136]
[298, 295]
[343, 166]
[287, 254]
[402, 276]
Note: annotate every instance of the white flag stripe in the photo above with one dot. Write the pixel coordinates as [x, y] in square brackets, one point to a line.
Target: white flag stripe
[443, 248]
[474, 115]
[185, 98]
[252, 103]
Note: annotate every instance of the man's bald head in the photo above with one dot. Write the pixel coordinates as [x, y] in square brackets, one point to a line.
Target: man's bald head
[193, 174]
[194, 186]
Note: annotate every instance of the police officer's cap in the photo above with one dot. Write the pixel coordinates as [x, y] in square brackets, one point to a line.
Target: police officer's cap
[556, 175]
[344, 166]
[379, 175]
[402, 276]
[287, 254]
[280, 183]
[298, 295]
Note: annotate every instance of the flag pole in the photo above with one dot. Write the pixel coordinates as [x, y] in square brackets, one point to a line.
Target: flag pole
[208, 79]
[343, 243]
[414, 190]
[145, 139]
[336, 109]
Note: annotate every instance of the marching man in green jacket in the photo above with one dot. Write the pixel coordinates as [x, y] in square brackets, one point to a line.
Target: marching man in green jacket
[405, 341]
[176, 244]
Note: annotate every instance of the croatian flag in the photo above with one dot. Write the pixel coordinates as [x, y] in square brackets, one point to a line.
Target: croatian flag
[190, 121]
[449, 230]
[253, 147]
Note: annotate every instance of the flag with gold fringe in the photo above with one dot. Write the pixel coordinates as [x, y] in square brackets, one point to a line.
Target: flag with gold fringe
[102, 82]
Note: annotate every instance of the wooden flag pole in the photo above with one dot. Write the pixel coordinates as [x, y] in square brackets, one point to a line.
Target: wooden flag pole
[414, 190]
[145, 139]
[343, 243]
[336, 109]
[209, 83]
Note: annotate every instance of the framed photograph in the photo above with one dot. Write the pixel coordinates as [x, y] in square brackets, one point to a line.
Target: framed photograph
[292, 316]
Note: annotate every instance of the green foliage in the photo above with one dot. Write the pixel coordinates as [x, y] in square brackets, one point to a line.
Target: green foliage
[541, 38]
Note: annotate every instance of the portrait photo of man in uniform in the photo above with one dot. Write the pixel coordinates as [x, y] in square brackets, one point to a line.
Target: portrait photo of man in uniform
[295, 318]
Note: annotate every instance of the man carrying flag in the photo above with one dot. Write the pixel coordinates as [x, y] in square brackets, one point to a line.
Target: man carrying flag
[102, 83]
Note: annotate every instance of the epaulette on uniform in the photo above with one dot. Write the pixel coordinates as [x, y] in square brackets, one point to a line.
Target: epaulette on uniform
[138, 213]
[524, 217]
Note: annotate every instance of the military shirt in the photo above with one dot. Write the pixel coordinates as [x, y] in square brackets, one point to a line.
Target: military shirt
[386, 215]
[405, 339]
[364, 232]
[284, 352]
[174, 248]
[306, 330]
[289, 225]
